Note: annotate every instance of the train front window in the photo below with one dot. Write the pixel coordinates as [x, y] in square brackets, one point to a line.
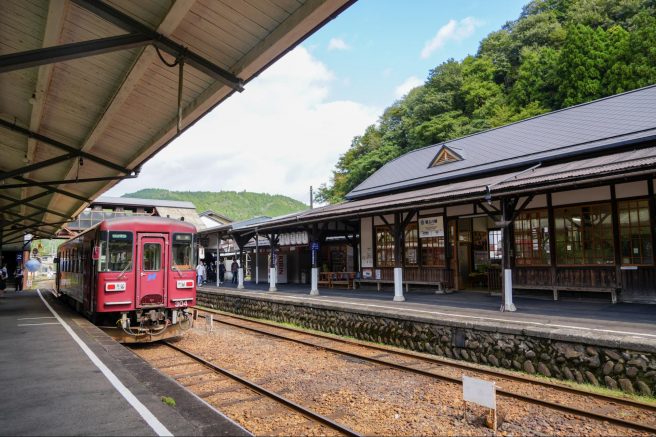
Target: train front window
[152, 257]
[119, 252]
[182, 252]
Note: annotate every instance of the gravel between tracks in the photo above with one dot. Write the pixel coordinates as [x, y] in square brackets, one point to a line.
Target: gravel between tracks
[368, 398]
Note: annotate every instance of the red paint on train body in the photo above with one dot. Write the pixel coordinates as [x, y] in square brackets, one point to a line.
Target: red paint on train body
[137, 273]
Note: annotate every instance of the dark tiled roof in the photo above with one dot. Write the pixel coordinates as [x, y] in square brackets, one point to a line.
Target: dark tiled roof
[610, 122]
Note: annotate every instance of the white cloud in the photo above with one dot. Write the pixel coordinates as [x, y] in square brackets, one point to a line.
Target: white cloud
[453, 30]
[407, 85]
[281, 135]
[337, 44]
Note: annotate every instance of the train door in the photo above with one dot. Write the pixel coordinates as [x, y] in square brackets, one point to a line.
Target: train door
[151, 265]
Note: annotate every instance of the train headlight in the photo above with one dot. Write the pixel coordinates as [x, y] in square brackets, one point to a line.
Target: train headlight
[185, 283]
[115, 286]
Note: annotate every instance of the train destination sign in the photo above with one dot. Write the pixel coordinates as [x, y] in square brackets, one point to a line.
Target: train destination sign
[182, 237]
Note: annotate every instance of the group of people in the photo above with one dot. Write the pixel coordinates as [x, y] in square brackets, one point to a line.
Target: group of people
[201, 272]
[4, 275]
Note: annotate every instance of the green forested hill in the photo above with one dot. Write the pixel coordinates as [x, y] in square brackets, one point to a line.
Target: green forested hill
[237, 206]
[558, 53]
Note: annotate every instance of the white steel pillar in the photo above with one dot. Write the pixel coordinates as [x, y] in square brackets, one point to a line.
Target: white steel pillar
[314, 291]
[240, 277]
[398, 284]
[273, 275]
[508, 304]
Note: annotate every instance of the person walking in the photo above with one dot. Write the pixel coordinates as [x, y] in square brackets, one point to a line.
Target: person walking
[18, 277]
[233, 268]
[200, 273]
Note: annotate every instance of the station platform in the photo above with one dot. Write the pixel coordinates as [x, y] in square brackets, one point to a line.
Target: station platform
[61, 375]
[588, 320]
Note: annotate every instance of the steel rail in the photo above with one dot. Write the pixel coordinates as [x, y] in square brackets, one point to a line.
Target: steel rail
[456, 380]
[290, 404]
[444, 362]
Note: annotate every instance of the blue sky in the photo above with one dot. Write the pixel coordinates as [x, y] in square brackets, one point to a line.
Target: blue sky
[287, 130]
[384, 40]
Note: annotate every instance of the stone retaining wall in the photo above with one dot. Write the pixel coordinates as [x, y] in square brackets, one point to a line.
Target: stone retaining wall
[627, 370]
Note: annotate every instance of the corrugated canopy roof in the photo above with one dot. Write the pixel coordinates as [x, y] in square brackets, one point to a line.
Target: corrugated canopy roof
[610, 122]
[86, 96]
[574, 173]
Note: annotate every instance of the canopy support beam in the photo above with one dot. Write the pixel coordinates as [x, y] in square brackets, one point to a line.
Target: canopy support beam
[67, 52]
[128, 23]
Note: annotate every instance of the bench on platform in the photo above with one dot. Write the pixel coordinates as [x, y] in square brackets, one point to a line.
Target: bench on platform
[441, 287]
[556, 290]
[324, 280]
[332, 279]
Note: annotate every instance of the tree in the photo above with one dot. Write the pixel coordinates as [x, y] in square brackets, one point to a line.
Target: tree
[556, 54]
[582, 65]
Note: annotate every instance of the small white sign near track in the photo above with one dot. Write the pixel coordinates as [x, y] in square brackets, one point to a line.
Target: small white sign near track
[480, 392]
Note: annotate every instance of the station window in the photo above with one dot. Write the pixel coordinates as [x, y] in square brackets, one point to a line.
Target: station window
[584, 235]
[432, 252]
[384, 247]
[635, 232]
[532, 238]
[411, 245]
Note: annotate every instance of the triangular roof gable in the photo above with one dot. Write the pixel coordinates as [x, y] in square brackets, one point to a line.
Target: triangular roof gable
[444, 156]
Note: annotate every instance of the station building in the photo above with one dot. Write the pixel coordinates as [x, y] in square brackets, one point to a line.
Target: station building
[562, 202]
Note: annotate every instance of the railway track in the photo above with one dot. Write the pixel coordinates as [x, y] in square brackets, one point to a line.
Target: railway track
[555, 396]
[196, 378]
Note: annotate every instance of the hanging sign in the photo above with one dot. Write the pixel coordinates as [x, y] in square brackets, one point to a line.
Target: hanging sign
[431, 227]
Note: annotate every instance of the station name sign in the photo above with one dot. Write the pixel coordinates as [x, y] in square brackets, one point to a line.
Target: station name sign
[431, 227]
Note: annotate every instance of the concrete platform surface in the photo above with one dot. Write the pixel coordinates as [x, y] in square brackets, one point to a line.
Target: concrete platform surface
[589, 319]
[51, 385]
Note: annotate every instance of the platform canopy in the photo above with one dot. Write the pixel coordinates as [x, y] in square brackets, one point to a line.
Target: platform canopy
[91, 89]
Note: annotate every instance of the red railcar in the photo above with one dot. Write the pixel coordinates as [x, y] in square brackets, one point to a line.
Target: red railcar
[133, 274]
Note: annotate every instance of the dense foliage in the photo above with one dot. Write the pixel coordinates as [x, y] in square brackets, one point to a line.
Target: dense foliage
[558, 53]
[234, 205]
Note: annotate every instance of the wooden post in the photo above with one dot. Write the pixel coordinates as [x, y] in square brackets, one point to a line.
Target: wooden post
[616, 238]
[551, 218]
[257, 258]
[507, 207]
[652, 214]
[218, 259]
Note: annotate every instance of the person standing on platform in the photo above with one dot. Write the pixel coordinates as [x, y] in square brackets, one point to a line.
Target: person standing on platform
[233, 268]
[222, 271]
[3, 276]
[18, 277]
[200, 273]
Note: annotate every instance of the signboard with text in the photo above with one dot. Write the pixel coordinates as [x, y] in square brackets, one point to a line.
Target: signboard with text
[431, 227]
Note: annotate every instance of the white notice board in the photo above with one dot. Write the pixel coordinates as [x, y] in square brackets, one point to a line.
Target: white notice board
[479, 392]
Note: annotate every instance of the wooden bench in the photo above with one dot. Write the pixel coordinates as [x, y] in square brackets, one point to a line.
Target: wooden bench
[324, 280]
[557, 289]
[441, 287]
[332, 279]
